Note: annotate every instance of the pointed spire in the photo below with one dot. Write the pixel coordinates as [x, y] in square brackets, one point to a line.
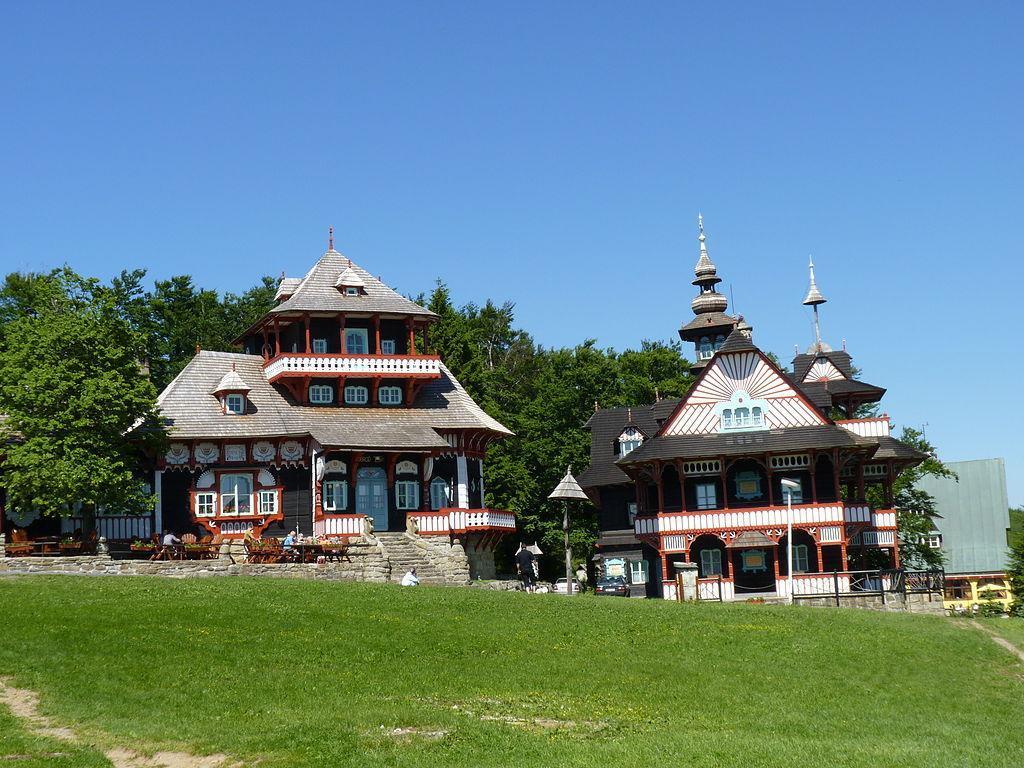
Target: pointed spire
[330, 238]
[814, 299]
[814, 296]
[705, 267]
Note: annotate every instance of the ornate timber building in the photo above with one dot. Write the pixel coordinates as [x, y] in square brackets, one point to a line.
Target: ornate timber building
[331, 421]
[698, 479]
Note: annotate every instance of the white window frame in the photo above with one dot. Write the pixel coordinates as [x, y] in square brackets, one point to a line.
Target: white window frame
[387, 346]
[711, 563]
[335, 491]
[407, 494]
[268, 502]
[319, 346]
[356, 395]
[440, 486]
[639, 571]
[235, 495]
[351, 290]
[234, 404]
[321, 394]
[364, 340]
[710, 493]
[206, 504]
[389, 395]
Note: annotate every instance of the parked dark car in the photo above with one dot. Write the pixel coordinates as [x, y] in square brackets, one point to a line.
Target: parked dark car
[613, 585]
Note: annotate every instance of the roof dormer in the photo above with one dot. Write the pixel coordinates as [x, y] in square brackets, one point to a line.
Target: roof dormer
[232, 391]
[350, 283]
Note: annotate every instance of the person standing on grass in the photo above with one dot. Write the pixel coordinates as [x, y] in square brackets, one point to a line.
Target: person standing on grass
[525, 563]
[411, 579]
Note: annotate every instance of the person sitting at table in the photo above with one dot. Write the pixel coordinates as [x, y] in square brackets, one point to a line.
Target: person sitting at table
[170, 546]
[289, 540]
[410, 579]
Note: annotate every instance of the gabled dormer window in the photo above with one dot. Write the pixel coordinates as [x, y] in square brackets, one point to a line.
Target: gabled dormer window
[351, 290]
[630, 440]
[234, 404]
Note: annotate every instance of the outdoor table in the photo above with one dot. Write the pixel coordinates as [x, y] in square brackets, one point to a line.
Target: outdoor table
[47, 547]
[307, 551]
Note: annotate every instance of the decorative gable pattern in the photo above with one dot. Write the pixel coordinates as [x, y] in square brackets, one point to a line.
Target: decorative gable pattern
[823, 370]
[742, 372]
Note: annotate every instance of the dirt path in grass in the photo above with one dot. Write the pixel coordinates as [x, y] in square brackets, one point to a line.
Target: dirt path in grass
[1019, 653]
[24, 705]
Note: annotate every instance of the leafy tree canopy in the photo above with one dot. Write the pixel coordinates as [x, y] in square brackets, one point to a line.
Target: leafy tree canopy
[73, 391]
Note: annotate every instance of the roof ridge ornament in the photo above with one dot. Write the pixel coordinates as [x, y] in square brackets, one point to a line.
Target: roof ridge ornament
[330, 238]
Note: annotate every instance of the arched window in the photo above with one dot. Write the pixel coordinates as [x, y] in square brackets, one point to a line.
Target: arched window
[440, 493]
[705, 351]
[742, 412]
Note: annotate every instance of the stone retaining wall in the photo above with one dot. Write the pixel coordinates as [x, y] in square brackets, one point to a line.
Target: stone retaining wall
[364, 562]
[911, 603]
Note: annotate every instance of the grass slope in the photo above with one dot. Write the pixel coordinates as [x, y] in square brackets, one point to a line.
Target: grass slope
[311, 674]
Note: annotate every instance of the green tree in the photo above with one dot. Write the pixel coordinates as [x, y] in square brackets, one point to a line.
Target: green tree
[915, 509]
[79, 406]
[1016, 575]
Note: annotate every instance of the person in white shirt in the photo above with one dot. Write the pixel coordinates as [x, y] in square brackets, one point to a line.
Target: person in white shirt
[170, 540]
[410, 579]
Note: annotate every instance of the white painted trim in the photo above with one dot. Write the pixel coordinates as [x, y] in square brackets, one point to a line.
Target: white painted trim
[158, 491]
[462, 483]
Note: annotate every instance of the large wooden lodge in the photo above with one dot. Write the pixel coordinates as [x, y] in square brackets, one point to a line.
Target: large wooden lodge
[333, 421]
[698, 479]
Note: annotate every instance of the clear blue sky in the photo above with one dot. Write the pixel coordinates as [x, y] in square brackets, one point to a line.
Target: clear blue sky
[556, 154]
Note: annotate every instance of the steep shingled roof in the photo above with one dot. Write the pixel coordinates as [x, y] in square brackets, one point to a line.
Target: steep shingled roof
[605, 427]
[192, 413]
[318, 291]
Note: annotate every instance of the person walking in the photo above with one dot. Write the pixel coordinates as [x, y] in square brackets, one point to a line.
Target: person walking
[525, 563]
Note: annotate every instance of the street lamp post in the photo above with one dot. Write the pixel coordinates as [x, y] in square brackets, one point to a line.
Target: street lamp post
[788, 486]
[566, 489]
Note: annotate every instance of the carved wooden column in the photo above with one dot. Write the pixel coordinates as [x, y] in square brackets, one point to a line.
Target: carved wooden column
[277, 336]
[342, 342]
[306, 322]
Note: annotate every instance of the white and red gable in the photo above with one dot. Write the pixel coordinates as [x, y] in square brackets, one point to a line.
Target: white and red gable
[822, 370]
[740, 392]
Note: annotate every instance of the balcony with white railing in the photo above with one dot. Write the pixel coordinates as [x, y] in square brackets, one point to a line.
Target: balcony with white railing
[384, 366]
[453, 521]
[760, 517]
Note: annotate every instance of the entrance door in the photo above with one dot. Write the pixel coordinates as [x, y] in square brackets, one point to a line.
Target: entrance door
[372, 496]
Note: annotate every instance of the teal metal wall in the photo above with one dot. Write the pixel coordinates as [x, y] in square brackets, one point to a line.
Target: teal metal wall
[975, 515]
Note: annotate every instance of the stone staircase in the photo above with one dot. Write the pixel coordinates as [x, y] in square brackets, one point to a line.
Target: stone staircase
[403, 552]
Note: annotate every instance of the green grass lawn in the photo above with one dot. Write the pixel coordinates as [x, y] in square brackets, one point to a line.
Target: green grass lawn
[1008, 629]
[300, 673]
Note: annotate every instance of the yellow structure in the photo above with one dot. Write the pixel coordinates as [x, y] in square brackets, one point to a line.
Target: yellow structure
[964, 592]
